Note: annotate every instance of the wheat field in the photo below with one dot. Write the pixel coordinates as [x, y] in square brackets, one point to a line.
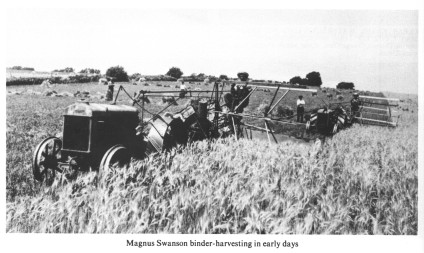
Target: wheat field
[364, 180]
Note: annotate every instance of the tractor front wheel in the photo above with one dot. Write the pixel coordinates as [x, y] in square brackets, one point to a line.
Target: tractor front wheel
[45, 160]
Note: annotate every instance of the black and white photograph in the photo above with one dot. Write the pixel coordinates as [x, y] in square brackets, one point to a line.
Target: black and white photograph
[213, 127]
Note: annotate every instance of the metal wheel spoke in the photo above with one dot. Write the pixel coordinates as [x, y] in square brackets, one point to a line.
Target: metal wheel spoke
[44, 172]
[55, 152]
[46, 149]
[49, 178]
[47, 172]
[57, 169]
[54, 147]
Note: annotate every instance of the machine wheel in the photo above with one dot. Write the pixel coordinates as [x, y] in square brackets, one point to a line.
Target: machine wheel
[118, 156]
[308, 125]
[335, 128]
[45, 160]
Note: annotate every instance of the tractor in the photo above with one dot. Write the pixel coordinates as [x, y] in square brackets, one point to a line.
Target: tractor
[97, 136]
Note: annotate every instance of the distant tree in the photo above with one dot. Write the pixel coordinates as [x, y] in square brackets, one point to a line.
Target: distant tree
[65, 70]
[223, 77]
[89, 71]
[68, 70]
[27, 68]
[314, 79]
[345, 86]
[135, 76]
[243, 76]
[22, 68]
[296, 80]
[118, 73]
[193, 77]
[212, 78]
[175, 72]
[201, 76]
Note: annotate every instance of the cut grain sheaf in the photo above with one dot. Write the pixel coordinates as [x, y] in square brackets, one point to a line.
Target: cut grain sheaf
[168, 98]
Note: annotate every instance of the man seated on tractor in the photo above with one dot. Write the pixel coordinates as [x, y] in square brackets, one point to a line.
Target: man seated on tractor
[241, 94]
[231, 103]
[232, 99]
[237, 95]
[354, 104]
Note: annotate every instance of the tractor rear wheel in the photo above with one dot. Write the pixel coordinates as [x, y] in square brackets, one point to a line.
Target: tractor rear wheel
[45, 160]
[116, 157]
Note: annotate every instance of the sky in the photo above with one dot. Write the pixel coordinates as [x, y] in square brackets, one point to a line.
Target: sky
[377, 50]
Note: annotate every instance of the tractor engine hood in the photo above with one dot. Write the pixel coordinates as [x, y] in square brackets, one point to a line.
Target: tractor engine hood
[99, 110]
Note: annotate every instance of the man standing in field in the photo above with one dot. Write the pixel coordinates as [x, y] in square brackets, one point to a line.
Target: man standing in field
[183, 90]
[300, 109]
[109, 93]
